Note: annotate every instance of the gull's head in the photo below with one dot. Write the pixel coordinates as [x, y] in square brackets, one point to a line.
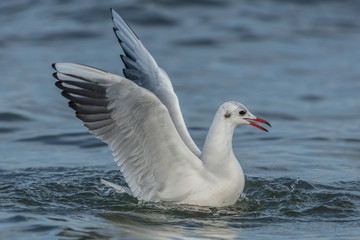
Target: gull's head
[237, 114]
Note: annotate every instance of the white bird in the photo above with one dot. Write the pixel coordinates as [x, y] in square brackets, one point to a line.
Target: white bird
[139, 117]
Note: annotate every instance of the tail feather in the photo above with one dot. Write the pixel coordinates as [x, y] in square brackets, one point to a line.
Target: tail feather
[116, 187]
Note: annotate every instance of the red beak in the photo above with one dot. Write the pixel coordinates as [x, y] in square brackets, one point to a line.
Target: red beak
[253, 123]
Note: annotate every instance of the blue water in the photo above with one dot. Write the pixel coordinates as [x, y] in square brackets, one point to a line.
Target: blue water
[294, 63]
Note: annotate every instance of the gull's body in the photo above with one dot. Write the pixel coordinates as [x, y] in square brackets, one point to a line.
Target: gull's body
[139, 117]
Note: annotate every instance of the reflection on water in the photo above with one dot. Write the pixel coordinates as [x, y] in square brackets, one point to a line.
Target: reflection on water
[291, 62]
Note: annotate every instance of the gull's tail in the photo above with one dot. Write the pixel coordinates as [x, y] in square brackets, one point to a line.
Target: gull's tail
[116, 187]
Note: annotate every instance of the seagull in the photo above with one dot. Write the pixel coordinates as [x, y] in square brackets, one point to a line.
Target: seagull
[140, 119]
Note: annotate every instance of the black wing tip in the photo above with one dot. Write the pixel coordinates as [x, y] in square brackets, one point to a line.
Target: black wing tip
[126, 64]
[78, 115]
[123, 60]
[58, 84]
[66, 95]
[54, 66]
[124, 73]
[55, 76]
[116, 35]
[72, 105]
[126, 53]
[112, 12]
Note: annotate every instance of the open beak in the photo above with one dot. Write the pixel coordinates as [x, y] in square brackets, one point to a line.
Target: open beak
[254, 121]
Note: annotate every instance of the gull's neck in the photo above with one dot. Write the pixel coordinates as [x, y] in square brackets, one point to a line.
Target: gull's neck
[217, 153]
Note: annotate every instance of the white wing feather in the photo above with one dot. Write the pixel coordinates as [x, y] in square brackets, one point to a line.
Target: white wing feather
[141, 68]
[155, 162]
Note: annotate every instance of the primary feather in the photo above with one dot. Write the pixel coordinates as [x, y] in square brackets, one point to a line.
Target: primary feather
[141, 68]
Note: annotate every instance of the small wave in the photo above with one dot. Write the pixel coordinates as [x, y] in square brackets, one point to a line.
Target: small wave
[189, 3]
[355, 140]
[204, 42]
[82, 140]
[312, 98]
[8, 130]
[153, 19]
[62, 37]
[12, 117]
[39, 228]
[14, 219]
[278, 116]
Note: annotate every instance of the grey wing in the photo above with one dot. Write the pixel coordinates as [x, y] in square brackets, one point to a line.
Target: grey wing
[141, 68]
[154, 160]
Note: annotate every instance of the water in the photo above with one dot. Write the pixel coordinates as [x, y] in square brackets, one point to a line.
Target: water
[293, 63]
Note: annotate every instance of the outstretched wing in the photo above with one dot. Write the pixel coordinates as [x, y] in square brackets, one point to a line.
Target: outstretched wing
[141, 68]
[154, 160]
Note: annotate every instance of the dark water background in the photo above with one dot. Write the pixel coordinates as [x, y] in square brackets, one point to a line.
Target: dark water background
[294, 63]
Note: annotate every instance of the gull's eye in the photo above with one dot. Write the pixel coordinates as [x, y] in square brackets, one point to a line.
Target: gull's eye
[242, 112]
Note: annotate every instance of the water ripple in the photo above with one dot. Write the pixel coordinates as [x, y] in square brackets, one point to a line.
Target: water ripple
[13, 117]
[80, 189]
[82, 140]
[68, 191]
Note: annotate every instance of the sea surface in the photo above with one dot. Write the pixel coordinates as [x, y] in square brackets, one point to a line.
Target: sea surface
[294, 63]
